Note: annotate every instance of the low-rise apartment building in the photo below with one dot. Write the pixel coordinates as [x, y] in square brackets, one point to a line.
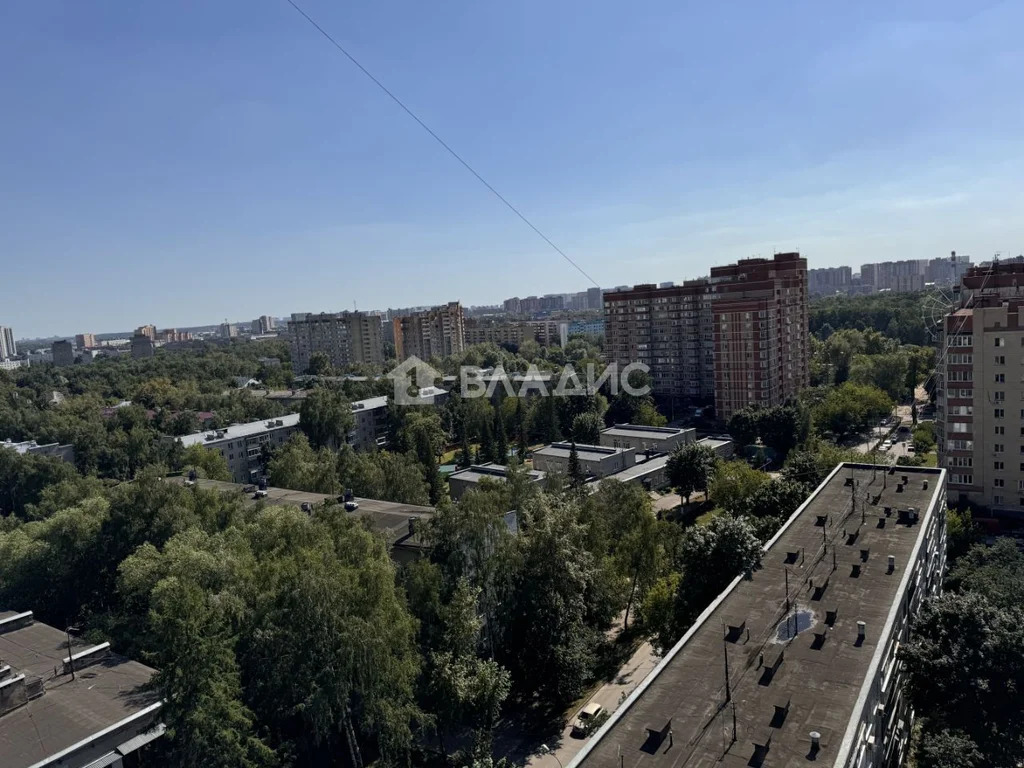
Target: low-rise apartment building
[796, 662]
[66, 703]
[241, 445]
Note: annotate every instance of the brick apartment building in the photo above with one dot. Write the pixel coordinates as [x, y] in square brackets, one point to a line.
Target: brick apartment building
[433, 333]
[734, 338]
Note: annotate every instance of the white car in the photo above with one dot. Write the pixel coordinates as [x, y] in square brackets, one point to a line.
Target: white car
[586, 716]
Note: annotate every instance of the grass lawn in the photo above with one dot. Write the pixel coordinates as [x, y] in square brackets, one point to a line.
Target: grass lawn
[708, 516]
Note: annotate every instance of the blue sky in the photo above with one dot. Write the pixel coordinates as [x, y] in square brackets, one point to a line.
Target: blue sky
[183, 162]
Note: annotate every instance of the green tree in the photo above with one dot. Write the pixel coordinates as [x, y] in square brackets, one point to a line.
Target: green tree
[690, 469]
[544, 639]
[586, 428]
[326, 418]
[198, 677]
[712, 556]
[733, 483]
[850, 409]
[320, 365]
[206, 462]
[500, 447]
[575, 471]
[964, 667]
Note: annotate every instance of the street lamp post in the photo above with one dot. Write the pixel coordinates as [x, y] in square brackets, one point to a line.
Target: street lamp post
[546, 750]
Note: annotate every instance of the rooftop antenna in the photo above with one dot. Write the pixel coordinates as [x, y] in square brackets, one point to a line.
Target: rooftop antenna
[725, 652]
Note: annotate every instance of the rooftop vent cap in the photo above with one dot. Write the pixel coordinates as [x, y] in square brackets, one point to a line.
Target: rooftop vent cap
[892, 563]
[861, 629]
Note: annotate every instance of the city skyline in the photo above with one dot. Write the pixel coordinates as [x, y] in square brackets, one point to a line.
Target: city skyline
[232, 146]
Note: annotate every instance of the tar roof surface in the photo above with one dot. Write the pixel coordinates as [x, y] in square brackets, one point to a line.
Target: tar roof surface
[634, 430]
[476, 473]
[387, 517]
[563, 450]
[821, 686]
[70, 710]
[241, 430]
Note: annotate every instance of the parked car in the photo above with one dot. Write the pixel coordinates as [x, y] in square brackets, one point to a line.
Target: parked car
[249, 489]
[590, 713]
[351, 506]
[910, 449]
[261, 493]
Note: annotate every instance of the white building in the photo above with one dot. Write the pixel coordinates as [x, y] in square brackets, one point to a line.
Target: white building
[242, 444]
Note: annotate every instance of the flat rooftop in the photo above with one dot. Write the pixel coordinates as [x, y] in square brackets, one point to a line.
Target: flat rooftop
[640, 468]
[639, 430]
[491, 471]
[68, 711]
[389, 518]
[236, 431]
[584, 452]
[751, 623]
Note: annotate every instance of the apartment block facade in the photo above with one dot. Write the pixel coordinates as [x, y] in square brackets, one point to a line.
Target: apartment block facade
[735, 338]
[7, 346]
[85, 340]
[242, 445]
[345, 337]
[433, 333]
[980, 389]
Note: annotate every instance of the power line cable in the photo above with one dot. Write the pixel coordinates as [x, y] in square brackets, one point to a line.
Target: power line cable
[440, 141]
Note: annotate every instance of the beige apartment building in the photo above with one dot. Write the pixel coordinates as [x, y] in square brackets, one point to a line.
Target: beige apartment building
[345, 337]
[433, 333]
[980, 390]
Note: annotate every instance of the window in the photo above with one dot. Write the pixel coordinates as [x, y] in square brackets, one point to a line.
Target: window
[1000, 378]
[997, 466]
[999, 482]
[1002, 430]
[997, 448]
[962, 479]
[999, 395]
[999, 413]
[1000, 360]
[959, 426]
[999, 341]
[997, 499]
[961, 461]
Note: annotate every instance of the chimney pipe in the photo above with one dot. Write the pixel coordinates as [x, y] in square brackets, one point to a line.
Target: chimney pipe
[892, 563]
[861, 627]
[815, 740]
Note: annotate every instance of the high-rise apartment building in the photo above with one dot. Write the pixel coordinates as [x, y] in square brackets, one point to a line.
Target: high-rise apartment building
[7, 346]
[829, 281]
[345, 337]
[980, 389]
[85, 340]
[762, 345]
[63, 352]
[149, 331]
[737, 337]
[433, 333]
